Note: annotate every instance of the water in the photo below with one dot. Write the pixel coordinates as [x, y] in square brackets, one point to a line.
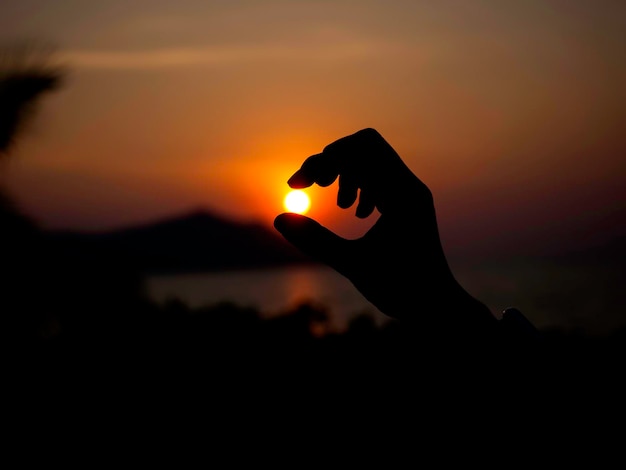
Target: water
[271, 291]
[551, 296]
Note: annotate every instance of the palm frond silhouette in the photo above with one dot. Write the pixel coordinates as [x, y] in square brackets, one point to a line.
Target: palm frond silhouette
[26, 74]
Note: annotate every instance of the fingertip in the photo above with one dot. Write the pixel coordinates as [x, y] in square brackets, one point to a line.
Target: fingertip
[363, 211]
[363, 214]
[288, 220]
[344, 204]
[299, 180]
[313, 239]
[280, 221]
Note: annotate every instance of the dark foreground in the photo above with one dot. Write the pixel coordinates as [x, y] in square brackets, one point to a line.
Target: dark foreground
[169, 376]
[83, 346]
[222, 348]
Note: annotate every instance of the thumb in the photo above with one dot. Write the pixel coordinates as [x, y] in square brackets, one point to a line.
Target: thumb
[313, 239]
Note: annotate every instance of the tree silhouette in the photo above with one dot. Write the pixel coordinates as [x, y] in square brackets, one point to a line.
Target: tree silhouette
[26, 74]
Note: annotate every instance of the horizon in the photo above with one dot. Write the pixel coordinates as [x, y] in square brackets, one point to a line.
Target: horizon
[512, 114]
[485, 252]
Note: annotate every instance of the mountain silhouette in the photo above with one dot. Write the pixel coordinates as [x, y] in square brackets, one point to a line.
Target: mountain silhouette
[194, 242]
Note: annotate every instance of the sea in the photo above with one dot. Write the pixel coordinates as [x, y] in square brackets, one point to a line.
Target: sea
[271, 291]
[549, 295]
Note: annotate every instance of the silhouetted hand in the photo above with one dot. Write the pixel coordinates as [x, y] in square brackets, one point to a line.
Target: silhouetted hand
[399, 264]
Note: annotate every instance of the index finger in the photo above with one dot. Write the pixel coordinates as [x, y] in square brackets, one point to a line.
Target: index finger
[372, 165]
[337, 157]
[320, 169]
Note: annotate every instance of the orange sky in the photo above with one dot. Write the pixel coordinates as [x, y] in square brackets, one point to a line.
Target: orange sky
[514, 113]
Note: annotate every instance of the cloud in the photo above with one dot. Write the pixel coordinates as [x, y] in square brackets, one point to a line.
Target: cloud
[222, 55]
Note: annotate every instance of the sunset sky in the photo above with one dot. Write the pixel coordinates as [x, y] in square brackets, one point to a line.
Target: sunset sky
[512, 112]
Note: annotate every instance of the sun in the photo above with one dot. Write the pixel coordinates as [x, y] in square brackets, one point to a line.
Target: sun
[297, 201]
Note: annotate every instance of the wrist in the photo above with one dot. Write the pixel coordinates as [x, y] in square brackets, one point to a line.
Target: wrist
[465, 310]
[455, 316]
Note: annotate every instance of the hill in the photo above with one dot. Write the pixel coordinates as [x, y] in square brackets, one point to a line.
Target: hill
[194, 242]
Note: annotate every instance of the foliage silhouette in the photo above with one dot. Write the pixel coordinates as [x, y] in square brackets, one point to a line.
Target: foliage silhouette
[26, 75]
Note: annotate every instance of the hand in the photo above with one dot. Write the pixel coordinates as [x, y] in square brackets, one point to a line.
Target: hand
[399, 264]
